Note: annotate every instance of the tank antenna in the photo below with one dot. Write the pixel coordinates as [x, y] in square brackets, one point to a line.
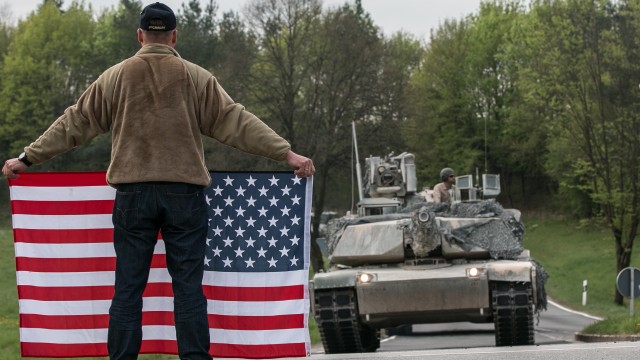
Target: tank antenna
[486, 168]
[358, 168]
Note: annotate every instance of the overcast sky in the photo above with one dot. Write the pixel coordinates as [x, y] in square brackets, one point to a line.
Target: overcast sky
[414, 16]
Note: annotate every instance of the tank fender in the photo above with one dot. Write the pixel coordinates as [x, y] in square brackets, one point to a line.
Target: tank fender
[520, 271]
[335, 279]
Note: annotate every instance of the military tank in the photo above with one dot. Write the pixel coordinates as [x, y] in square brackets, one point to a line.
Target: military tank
[404, 260]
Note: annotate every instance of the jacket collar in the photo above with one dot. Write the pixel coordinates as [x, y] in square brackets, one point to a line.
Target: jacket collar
[157, 49]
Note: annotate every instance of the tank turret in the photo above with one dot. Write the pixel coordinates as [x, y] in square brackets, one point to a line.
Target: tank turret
[403, 260]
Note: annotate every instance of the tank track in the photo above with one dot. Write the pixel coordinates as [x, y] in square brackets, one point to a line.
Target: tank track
[512, 313]
[340, 329]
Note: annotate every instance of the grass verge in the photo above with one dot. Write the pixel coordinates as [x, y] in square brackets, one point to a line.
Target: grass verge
[571, 252]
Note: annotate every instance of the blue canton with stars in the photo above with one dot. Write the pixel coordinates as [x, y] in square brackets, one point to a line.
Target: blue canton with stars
[256, 222]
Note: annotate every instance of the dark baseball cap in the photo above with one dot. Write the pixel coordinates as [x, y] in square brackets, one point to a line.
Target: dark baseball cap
[157, 17]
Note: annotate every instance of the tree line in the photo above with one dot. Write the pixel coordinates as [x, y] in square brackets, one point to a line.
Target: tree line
[543, 92]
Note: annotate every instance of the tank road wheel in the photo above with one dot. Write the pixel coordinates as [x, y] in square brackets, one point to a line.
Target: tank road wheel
[512, 313]
[340, 329]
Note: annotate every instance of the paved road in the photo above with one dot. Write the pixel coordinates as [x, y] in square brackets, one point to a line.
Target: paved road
[554, 336]
[556, 325]
[570, 351]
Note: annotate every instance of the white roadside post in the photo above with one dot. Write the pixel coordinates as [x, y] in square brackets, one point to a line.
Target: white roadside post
[584, 293]
[633, 293]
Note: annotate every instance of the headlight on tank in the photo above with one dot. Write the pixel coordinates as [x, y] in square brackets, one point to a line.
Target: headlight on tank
[365, 278]
[475, 272]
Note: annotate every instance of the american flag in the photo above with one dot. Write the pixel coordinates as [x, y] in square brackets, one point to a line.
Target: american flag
[256, 266]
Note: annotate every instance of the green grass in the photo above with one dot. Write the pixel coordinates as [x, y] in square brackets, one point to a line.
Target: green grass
[571, 252]
[9, 343]
[615, 325]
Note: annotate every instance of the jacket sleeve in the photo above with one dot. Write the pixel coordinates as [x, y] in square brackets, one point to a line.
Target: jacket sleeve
[229, 122]
[78, 124]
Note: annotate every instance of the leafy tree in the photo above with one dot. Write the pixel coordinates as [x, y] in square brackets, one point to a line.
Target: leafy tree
[317, 73]
[6, 28]
[468, 110]
[46, 68]
[235, 55]
[286, 30]
[342, 90]
[401, 58]
[444, 121]
[238, 52]
[590, 57]
[115, 36]
[522, 148]
[198, 38]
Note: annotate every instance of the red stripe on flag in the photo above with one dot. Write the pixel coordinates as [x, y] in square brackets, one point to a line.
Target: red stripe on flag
[293, 321]
[66, 265]
[97, 321]
[98, 178]
[76, 293]
[64, 322]
[163, 347]
[273, 293]
[158, 261]
[101, 321]
[74, 236]
[91, 350]
[32, 349]
[67, 293]
[81, 293]
[62, 207]
[258, 351]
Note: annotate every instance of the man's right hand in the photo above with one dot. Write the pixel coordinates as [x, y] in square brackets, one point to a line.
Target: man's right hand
[12, 167]
[302, 166]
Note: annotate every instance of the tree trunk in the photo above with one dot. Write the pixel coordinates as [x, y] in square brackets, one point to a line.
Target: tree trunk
[317, 261]
[623, 259]
[320, 188]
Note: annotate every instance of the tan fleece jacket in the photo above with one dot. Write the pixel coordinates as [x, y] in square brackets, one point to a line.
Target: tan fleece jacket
[157, 105]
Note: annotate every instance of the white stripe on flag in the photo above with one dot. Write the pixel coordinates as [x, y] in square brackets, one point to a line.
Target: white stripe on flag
[68, 308]
[62, 193]
[159, 332]
[64, 251]
[62, 222]
[157, 303]
[75, 336]
[72, 251]
[237, 279]
[70, 279]
[99, 278]
[245, 308]
[77, 279]
[258, 337]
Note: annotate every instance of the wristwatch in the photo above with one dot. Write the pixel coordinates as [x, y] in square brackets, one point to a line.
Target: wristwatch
[23, 157]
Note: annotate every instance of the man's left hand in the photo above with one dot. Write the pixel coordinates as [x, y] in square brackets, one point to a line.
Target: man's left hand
[303, 166]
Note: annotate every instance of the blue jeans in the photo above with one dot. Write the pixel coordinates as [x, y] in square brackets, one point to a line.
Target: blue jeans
[140, 211]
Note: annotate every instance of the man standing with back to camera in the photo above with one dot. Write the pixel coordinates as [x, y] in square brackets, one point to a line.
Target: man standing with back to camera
[157, 105]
